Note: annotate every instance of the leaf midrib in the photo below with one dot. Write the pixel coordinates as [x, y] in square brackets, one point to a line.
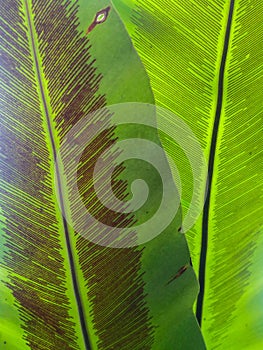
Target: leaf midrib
[212, 154]
[47, 116]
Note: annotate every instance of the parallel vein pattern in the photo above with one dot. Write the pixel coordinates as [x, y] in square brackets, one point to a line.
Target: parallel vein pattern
[182, 45]
[33, 248]
[211, 167]
[67, 289]
[97, 263]
[178, 43]
[237, 199]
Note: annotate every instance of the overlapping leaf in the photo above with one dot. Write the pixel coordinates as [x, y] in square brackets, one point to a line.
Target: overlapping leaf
[204, 59]
[58, 289]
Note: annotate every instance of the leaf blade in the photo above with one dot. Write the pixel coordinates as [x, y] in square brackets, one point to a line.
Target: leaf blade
[181, 46]
[45, 96]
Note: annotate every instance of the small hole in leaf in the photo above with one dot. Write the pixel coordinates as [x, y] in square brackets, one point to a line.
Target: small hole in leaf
[100, 17]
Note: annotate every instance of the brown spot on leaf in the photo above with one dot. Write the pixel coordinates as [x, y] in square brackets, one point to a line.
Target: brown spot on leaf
[179, 273]
[100, 17]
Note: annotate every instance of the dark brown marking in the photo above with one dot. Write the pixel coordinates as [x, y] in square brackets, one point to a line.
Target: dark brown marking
[179, 273]
[100, 17]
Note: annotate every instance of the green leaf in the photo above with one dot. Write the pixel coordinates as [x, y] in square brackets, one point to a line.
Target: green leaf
[62, 63]
[205, 63]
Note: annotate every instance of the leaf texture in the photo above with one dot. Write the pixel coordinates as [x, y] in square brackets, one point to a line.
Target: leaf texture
[204, 59]
[59, 290]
